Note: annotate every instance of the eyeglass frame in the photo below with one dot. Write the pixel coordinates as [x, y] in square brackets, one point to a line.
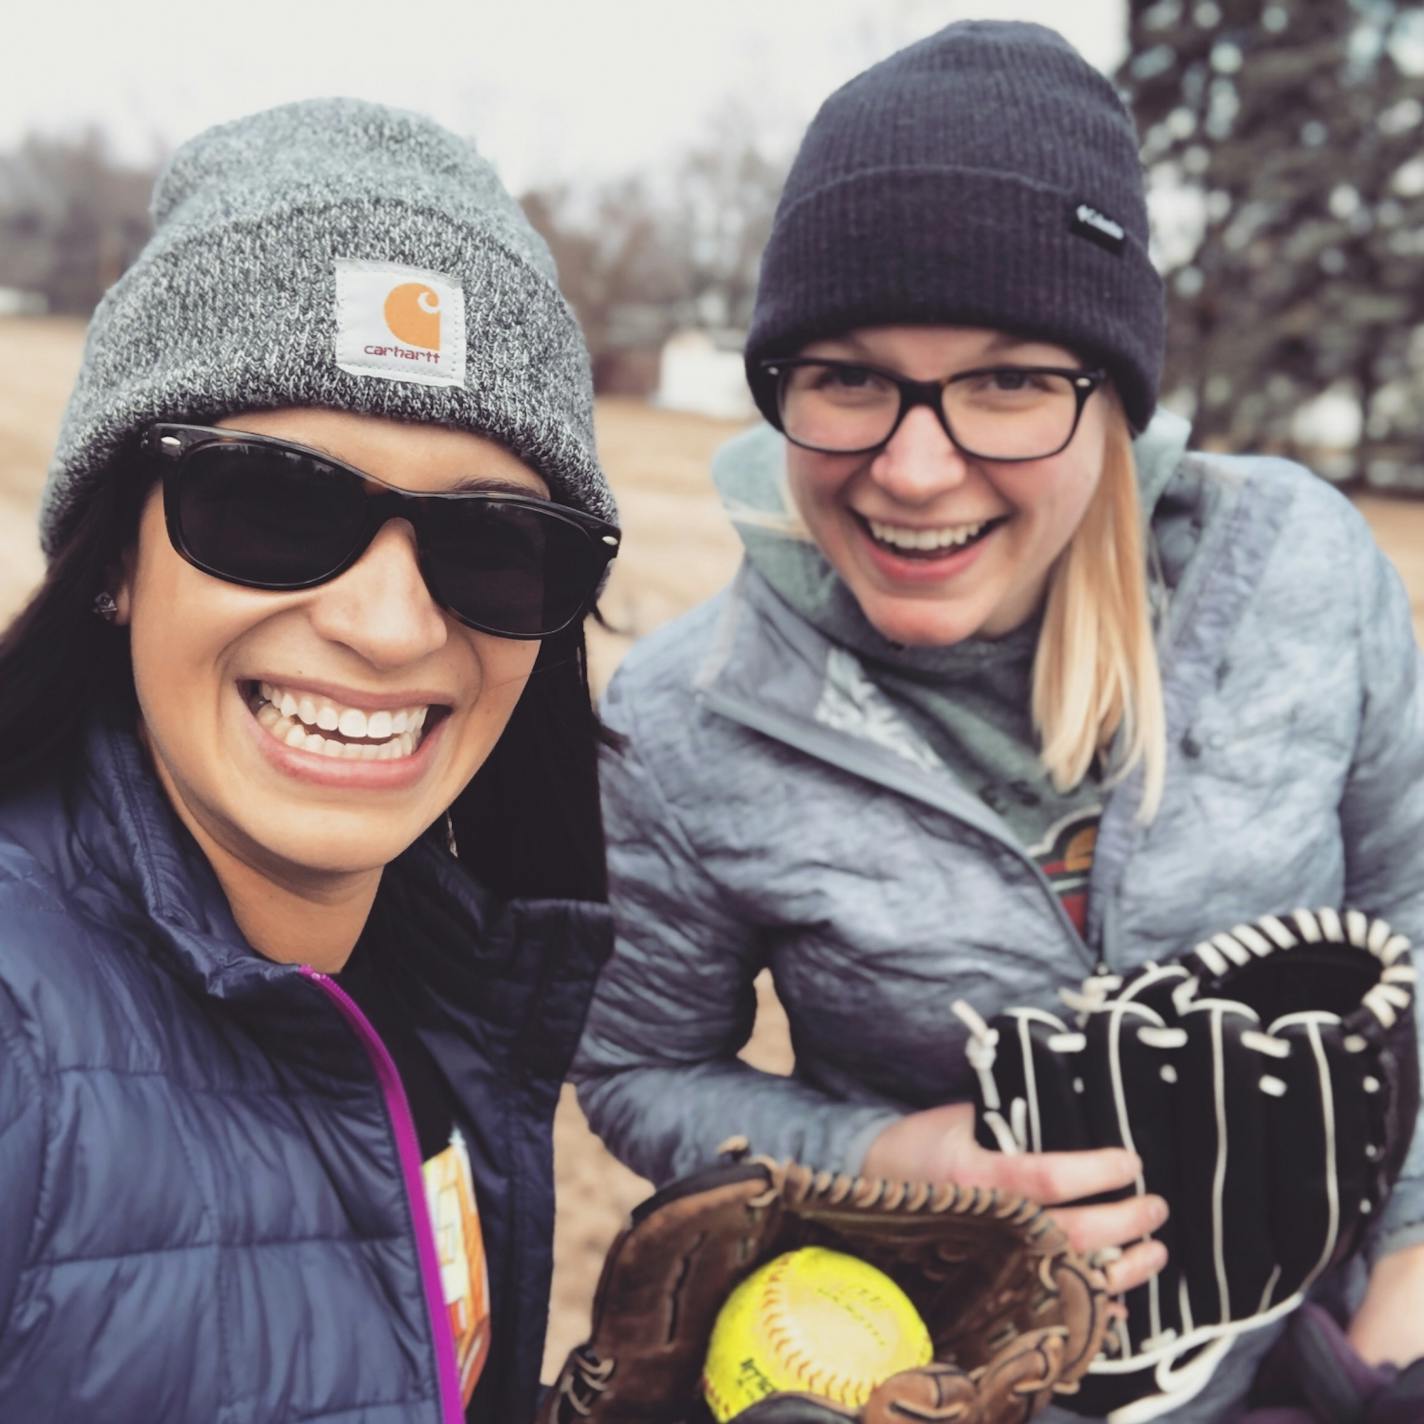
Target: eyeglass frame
[912, 393]
[171, 442]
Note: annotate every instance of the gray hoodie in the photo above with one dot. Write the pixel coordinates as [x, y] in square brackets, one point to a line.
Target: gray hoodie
[773, 808]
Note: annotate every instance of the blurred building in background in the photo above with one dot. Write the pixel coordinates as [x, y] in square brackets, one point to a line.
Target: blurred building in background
[701, 370]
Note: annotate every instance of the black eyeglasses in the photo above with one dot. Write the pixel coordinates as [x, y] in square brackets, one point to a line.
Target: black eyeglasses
[266, 513]
[1004, 413]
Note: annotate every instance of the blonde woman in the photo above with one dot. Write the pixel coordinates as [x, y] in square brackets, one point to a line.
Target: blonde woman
[1010, 685]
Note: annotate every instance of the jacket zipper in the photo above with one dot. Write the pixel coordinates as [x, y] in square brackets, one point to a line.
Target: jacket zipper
[793, 734]
[408, 1150]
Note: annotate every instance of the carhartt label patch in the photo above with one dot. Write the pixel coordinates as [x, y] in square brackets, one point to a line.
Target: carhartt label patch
[1087, 221]
[399, 323]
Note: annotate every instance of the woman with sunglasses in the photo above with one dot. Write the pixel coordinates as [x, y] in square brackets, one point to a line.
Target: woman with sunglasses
[301, 872]
[1009, 687]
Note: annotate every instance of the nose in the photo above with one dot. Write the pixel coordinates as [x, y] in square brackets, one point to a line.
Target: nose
[919, 462]
[380, 607]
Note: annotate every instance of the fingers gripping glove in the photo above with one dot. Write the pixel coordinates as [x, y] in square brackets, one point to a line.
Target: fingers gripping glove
[1014, 1314]
[1268, 1079]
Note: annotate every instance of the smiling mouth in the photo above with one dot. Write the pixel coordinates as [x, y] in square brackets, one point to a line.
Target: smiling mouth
[937, 542]
[311, 723]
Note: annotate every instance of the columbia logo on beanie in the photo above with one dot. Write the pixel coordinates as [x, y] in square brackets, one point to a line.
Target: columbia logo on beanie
[1097, 227]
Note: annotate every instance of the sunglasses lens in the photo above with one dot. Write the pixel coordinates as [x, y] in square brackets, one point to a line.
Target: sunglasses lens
[508, 568]
[265, 516]
[281, 518]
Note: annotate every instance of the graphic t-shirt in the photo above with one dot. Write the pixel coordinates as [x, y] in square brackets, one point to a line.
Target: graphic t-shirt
[1065, 855]
[374, 982]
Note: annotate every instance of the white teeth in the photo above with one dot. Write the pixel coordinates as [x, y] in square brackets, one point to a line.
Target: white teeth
[297, 718]
[352, 722]
[900, 537]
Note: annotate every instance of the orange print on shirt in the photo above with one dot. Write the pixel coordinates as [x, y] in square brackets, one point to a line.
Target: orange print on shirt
[1065, 855]
[459, 1244]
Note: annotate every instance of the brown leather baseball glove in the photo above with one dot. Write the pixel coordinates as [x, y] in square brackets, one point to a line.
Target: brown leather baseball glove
[1014, 1314]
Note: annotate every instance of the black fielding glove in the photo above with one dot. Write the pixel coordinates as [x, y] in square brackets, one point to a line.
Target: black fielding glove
[1268, 1079]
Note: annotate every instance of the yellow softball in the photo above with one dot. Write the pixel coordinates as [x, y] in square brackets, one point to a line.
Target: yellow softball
[814, 1321]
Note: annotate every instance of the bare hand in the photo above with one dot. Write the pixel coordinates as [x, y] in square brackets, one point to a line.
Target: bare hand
[938, 1145]
[1386, 1328]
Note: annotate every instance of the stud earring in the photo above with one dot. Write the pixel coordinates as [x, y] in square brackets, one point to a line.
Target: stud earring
[105, 607]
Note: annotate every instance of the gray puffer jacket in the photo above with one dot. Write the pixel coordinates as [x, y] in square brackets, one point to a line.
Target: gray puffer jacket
[769, 811]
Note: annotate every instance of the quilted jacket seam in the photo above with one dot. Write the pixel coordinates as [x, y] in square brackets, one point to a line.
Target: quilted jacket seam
[51, 1263]
[233, 1090]
[25, 1055]
[402, 1402]
[1362, 628]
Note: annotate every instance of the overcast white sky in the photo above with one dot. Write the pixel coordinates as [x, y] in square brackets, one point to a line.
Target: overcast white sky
[550, 89]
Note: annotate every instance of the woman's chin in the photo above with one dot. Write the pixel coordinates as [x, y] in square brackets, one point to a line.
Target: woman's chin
[337, 846]
[920, 626]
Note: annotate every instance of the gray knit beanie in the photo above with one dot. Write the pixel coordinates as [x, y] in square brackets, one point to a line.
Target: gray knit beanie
[986, 176]
[335, 253]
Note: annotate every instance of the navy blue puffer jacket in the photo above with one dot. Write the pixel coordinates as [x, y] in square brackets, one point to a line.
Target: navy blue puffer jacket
[204, 1202]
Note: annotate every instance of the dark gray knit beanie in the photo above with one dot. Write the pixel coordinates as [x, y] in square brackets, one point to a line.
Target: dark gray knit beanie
[335, 253]
[986, 176]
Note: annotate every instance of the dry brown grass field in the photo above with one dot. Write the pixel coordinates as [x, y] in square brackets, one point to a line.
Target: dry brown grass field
[678, 550]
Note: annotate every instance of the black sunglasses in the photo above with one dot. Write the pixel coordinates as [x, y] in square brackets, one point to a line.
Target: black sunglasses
[267, 513]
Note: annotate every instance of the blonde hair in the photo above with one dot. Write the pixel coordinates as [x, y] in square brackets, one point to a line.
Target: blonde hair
[1095, 673]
